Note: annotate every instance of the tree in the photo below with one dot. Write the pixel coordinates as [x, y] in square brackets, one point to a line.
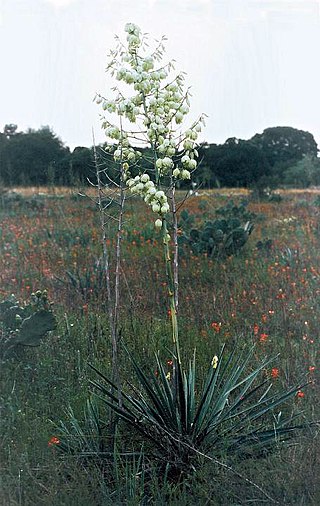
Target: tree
[81, 165]
[306, 172]
[285, 145]
[239, 163]
[28, 158]
[10, 130]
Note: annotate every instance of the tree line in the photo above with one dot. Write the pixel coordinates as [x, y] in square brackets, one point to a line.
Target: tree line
[277, 156]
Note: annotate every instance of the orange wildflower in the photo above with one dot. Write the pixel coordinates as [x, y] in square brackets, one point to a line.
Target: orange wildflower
[53, 441]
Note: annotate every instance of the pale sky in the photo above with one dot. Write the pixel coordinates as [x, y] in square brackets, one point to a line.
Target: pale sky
[252, 64]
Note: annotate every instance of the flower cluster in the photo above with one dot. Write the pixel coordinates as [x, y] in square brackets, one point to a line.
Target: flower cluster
[157, 107]
[156, 199]
[133, 37]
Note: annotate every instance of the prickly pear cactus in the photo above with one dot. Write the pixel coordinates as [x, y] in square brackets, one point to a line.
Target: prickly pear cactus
[35, 327]
[27, 324]
[221, 237]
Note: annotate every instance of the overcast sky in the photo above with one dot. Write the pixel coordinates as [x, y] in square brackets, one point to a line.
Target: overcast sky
[252, 64]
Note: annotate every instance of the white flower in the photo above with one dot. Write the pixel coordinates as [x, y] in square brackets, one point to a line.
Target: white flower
[192, 164]
[151, 190]
[130, 182]
[163, 74]
[167, 162]
[176, 173]
[185, 174]
[179, 117]
[109, 105]
[113, 133]
[132, 28]
[148, 63]
[188, 144]
[158, 223]
[144, 178]
[160, 195]
[184, 109]
[156, 208]
[165, 208]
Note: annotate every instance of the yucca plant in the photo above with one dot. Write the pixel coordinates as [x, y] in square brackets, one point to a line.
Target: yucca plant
[227, 416]
[172, 417]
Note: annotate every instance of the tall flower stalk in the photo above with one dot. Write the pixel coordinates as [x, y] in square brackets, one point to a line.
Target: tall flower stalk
[157, 108]
[179, 420]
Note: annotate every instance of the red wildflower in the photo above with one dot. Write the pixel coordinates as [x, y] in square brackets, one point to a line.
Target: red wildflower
[169, 362]
[263, 338]
[300, 394]
[53, 441]
[311, 368]
[216, 326]
[274, 372]
[255, 329]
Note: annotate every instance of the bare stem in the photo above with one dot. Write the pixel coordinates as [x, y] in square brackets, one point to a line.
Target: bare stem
[104, 240]
[175, 250]
[171, 290]
[112, 303]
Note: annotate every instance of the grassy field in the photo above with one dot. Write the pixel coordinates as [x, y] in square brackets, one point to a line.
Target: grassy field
[267, 296]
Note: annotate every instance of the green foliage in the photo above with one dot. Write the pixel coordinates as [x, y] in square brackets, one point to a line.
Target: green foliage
[265, 246]
[13, 201]
[220, 237]
[39, 157]
[285, 145]
[316, 201]
[28, 157]
[85, 439]
[240, 163]
[27, 324]
[54, 375]
[231, 210]
[305, 173]
[186, 219]
[181, 421]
